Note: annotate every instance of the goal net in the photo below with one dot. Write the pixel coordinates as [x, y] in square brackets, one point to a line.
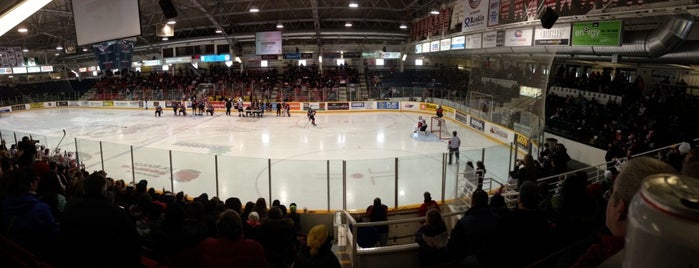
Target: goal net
[438, 126]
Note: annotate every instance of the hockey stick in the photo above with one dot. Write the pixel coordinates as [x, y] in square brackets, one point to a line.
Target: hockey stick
[59, 142]
[309, 120]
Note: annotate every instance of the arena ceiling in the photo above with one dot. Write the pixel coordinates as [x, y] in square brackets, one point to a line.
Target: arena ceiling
[372, 20]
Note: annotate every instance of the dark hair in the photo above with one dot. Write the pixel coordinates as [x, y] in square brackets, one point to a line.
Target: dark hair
[479, 198]
[434, 217]
[234, 204]
[275, 213]
[261, 207]
[529, 195]
[229, 224]
[95, 184]
[497, 201]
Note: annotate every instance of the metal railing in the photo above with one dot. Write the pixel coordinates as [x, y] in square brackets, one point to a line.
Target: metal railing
[346, 228]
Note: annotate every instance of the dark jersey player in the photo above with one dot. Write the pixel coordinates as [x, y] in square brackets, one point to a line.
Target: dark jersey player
[312, 116]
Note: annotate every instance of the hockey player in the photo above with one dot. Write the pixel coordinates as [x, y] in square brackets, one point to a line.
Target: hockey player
[312, 116]
[158, 110]
[210, 108]
[229, 104]
[440, 111]
[421, 125]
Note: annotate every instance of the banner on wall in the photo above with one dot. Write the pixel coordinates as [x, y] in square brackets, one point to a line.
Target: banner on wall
[458, 42]
[558, 35]
[475, 13]
[494, 13]
[474, 41]
[445, 44]
[489, 39]
[519, 37]
[599, 33]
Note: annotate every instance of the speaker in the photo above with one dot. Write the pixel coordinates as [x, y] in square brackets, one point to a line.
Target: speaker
[548, 18]
[169, 10]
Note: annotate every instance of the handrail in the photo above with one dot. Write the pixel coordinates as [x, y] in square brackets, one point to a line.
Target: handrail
[354, 226]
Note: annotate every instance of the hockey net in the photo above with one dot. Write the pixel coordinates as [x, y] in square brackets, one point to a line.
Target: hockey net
[438, 126]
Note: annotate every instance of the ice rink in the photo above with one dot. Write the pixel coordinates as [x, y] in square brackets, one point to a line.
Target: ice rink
[272, 157]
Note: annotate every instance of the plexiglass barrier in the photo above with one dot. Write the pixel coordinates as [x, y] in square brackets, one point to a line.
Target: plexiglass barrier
[311, 184]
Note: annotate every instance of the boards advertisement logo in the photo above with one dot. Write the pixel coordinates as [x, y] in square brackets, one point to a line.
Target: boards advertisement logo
[358, 105]
[338, 106]
[108, 103]
[36, 105]
[497, 131]
[20, 107]
[388, 105]
[61, 103]
[461, 117]
[522, 141]
[477, 124]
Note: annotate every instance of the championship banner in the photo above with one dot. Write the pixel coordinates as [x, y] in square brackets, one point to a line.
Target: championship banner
[475, 13]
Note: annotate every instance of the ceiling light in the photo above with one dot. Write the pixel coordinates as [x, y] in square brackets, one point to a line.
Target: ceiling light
[171, 21]
[19, 13]
[22, 29]
[280, 26]
[403, 26]
[25, 50]
[254, 9]
[434, 11]
[353, 4]
[218, 31]
[165, 39]
[348, 24]
[57, 54]
[59, 48]
[84, 49]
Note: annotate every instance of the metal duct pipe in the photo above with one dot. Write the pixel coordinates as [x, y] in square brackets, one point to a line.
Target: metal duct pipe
[669, 36]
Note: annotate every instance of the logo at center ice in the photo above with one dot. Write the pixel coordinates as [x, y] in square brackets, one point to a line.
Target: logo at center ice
[185, 175]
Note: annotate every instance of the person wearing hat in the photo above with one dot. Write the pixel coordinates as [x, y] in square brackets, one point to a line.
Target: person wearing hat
[316, 252]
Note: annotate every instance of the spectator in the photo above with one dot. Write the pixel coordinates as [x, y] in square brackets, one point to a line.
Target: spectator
[316, 253]
[261, 207]
[95, 232]
[379, 212]
[427, 204]
[277, 236]
[627, 183]
[432, 238]
[26, 220]
[228, 249]
[472, 232]
[251, 226]
[234, 204]
[523, 235]
[295, 217]
[498, 205]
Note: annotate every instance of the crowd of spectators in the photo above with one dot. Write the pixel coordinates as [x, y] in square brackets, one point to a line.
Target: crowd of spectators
[639, 123]
[296, 83]
[68, 217]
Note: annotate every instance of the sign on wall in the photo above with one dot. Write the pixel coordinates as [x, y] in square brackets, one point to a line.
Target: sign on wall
[601, 33]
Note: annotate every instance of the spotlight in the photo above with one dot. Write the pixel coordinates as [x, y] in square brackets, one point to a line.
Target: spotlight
[353, 4]
[434, 11]
[348, 24]
[254, 9]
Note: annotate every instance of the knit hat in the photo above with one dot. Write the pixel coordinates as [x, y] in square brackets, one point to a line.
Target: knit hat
[316, 238]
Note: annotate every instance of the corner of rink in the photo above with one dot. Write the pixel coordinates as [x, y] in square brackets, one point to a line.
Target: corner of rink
[421, 136]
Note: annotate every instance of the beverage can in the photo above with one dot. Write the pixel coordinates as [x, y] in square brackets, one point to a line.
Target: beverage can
[663, 227]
